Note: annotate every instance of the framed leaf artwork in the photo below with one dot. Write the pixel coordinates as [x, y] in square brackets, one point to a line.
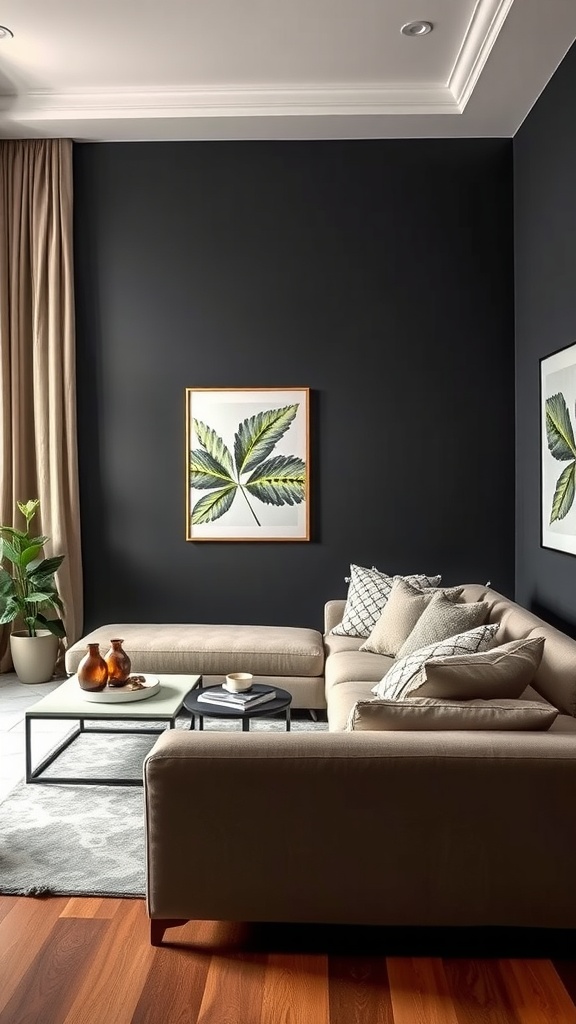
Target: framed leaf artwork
[247, 457]
[558, 447]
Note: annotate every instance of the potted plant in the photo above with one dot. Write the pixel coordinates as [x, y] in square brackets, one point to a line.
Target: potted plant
[26, 588]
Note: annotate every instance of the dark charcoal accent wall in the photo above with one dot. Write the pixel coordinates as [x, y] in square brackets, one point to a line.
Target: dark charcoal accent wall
[545, 272]
[377, 273]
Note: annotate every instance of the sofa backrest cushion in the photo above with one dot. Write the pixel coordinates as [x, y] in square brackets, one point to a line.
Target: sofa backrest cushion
[401, 612]
[434, 714]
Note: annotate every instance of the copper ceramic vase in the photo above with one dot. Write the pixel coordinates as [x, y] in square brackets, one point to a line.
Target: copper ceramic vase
[118, 664]
[92, 671]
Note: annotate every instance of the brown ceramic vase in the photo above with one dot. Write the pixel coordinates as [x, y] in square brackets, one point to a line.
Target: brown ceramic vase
[118, 664]
[92, 671]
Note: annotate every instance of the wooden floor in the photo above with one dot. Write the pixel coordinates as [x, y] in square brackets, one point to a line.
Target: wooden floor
[89, 961]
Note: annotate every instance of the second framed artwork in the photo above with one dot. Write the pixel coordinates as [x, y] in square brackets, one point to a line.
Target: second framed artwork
[558, 447]
[247, 457]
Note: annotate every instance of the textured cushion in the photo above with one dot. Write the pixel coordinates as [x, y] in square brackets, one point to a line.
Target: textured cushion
[429, 713]
[399, 679]
[368, 592]
[401, 612]
[211, 649]
[503, 671]
[441, 619]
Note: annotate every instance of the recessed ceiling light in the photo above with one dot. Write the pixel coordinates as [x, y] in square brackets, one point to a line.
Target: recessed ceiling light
[417, 28]
[6, 33]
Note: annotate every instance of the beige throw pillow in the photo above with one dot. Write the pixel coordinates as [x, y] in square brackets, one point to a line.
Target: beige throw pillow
[503, 671]
[404, 607]
[429, 713]
[441, 619]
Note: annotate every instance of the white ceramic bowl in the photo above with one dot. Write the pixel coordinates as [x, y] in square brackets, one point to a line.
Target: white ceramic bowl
[238, 682]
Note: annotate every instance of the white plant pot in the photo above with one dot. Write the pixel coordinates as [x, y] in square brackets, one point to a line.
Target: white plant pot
[34, 657]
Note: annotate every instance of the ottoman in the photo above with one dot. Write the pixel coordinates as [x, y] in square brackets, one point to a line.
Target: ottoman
[288, 656]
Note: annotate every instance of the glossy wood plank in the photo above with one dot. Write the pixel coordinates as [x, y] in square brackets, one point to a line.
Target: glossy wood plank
[118, 972]
[537, 993]
[83, 961]
[7, 903]
[64, 956]
[234, 990]
[358, 990]
[295, 989]
[104, 908]
[566, 971]
[479, 992]
[419, 992]
[22, 932]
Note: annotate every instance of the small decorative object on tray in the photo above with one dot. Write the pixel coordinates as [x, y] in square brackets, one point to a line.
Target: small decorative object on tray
[136, 687]
[92, 671]
[238, 682]
[219, 697]
[118, 664]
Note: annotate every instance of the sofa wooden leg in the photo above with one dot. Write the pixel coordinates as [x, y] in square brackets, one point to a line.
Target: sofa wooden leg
[159, 925]
[313, 714]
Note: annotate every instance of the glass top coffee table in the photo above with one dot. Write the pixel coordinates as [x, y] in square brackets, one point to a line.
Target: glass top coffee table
[68, 702]
[202, 709]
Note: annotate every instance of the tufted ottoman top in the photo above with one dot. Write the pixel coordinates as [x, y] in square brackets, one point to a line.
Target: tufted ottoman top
[210, 649]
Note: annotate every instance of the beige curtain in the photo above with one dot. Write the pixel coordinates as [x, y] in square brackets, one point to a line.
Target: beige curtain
[37, 358]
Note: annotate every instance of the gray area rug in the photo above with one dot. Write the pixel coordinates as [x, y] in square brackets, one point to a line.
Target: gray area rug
[87, 840]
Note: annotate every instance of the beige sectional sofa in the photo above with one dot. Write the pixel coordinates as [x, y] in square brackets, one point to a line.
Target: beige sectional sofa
[383, 827]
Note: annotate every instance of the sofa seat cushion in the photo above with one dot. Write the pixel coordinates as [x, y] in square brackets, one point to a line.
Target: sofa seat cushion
[209, 649]
[348, 666]
[341, 701]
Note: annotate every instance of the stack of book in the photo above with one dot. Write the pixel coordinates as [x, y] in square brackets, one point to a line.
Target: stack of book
[239, 701]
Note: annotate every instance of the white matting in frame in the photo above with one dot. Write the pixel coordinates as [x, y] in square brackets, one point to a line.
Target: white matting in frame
[247, 457]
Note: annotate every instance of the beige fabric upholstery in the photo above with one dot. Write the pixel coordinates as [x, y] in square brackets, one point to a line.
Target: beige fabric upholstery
[556, 676]
[346, 665]
[389, 828]
[431, 713]
[211, 649]
[333, 612]
[441, 619]
[342, 699]
[400, 615]
[504, 671]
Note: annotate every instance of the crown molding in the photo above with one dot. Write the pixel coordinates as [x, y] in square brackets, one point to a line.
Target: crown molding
[378, 99]
[488, 18]
[230, 102]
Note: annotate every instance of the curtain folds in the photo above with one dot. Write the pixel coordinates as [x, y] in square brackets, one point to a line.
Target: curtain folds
[38, 449]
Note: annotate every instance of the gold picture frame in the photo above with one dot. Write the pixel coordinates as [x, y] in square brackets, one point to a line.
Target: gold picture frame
[248, 464]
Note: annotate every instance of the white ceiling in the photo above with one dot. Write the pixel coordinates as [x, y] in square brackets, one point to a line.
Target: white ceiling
[277, 69]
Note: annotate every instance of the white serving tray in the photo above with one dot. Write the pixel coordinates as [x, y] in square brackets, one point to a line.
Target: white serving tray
[121, 695]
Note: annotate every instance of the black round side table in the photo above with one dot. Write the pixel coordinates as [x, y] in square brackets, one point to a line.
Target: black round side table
[202, 709]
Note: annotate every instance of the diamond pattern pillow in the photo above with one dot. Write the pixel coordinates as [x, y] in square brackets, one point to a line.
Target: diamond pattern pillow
[368, 592]
[400, 678]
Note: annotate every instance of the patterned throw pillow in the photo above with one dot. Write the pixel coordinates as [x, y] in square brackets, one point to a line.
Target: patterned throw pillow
[368, 592]
[400, 678]
[441, 619]
[504, 671]
[401, 612]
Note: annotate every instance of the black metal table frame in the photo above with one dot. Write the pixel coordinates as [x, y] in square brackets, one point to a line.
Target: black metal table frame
[34, 774]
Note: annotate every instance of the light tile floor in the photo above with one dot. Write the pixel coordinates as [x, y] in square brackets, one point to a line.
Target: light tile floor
[15, 697]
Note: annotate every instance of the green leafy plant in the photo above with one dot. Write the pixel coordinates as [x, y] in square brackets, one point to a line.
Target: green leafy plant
[562, 446]
[276, 480]
[29, 586]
